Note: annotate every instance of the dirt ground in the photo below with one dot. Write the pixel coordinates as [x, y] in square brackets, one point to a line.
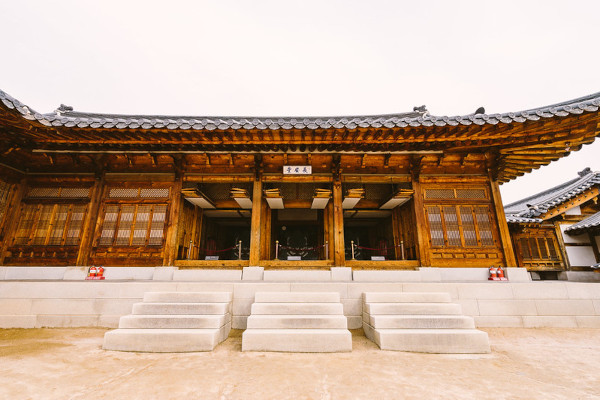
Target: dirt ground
[524, 364]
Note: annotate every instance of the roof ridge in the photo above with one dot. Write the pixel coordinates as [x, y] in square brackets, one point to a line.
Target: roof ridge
[562, 194]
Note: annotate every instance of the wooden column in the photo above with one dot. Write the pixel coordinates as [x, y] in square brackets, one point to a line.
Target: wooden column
[255, 224]
[509, 253]
[170, 249]
[196, 232]
[594, 246]
[265, 231]
[561, 245]
[11, 215]
[421, 222]
[339, 257]
[396, 233]
[329, 229]
[89, 224]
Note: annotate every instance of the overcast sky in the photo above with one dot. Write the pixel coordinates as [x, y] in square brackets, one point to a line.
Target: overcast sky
[305, 58]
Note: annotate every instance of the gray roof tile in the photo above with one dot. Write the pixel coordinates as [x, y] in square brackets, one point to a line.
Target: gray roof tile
[538, 204]
[65, 117]
[588, 223]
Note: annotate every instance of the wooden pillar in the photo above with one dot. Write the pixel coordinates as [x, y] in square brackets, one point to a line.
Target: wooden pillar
[421, 223]
[89, 224]
[396, 233]
[339, 257]
[265, 231]
[11, 215]
[170, 249]
[196, 232]
[255, 223]
[507, 247]
[594, 246]
[329, 229]
[562, 246]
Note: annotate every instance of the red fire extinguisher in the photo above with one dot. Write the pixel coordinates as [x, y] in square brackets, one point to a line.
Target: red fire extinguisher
[493, 274]
[500, 274]
[100, 272]
[92, 272]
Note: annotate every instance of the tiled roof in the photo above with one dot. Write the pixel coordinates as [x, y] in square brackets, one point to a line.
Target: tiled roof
[588, 223]
[540, 203]
[521, 220]
[65, 116]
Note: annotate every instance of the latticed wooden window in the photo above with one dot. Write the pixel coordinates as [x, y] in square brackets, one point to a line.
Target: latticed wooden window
[50, 224]
[468, 226]
[460, 226]
[133, 225]
[484, 224]
[4, 191]
[538, 249]
[436, 228]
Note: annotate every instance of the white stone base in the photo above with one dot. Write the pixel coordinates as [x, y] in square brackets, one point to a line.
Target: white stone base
[431, 340]
[173, 322]
[394, 321]
[304, 322]
[165, 340]
[297, 340]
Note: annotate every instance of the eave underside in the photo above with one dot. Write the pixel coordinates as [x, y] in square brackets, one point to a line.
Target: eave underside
[507, 150]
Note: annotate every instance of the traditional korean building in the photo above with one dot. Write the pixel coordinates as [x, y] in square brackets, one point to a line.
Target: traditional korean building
[559, 228]
[397, 191]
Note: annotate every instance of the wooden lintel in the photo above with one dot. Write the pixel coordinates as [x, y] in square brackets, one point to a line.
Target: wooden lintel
[588, 195]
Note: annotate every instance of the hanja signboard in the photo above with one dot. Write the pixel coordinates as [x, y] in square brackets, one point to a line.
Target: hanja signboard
[297, 169]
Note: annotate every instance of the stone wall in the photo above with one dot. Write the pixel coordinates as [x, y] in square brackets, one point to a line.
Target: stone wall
[63, 303]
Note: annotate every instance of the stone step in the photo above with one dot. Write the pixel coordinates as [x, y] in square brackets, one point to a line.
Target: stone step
[406, 297]
[297, 322]
[181, 308]
[412, 308]
[297, 308]
[165, 340]
[297, 297]
[430, 340]
[297, 340]
[419, 321]
[174, 321]
[187, 297]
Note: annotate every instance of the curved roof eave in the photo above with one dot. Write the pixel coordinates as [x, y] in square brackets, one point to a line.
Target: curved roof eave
[419, 117]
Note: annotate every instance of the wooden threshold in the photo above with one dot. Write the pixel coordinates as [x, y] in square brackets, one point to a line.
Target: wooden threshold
[383, 265]
[210, 264]
[304, 264]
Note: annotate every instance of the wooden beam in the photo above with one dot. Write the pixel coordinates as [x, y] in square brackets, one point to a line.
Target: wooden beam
[89, 224]
[170, 249]
[339, 256]
[256, 221]
[12, 215]
[509, 252]
[421, 223]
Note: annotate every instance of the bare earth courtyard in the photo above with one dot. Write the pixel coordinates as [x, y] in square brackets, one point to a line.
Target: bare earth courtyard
[524, 364]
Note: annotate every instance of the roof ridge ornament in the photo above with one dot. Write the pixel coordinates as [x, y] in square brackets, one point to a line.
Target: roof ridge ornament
[584, 172]
[421, 109]
[62, 109]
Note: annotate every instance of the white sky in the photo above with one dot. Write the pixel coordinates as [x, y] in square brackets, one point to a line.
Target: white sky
[306, 58]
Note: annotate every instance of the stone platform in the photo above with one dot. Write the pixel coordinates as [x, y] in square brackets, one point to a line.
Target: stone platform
[297, 322]
[174, 322]
[420, 322]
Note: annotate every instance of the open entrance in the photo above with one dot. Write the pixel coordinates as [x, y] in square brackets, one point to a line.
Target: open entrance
[296, 214]
[379, 223]
[299, 234]
[215, 222]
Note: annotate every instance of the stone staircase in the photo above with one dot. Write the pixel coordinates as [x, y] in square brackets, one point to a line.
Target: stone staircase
[420, 322]
[173, 322]
[297, 322]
